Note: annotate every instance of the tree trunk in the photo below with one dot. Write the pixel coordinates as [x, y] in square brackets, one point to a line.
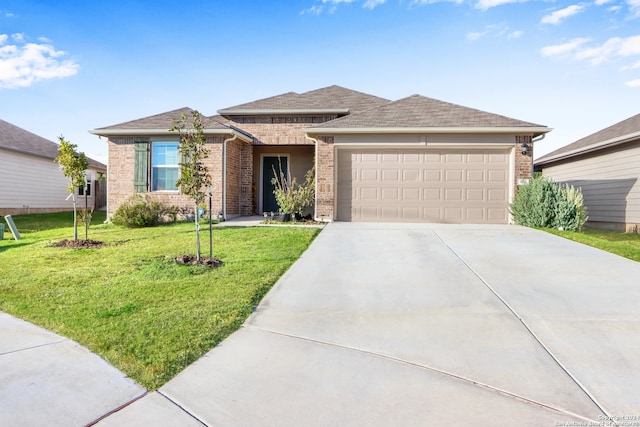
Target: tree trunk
[75, 220]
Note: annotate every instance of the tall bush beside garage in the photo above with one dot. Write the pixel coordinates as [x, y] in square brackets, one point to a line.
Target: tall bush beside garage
[544, 203]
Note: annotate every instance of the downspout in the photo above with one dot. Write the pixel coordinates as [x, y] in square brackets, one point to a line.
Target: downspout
[315, 162]
[224, 175]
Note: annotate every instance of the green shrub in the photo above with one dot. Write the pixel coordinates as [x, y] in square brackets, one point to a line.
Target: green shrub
[138, 211]
[544, 203]
[293, 198]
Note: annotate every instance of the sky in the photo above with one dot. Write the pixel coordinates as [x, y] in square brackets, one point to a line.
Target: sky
[67, 67]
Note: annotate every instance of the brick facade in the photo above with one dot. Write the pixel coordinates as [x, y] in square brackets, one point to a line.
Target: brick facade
[523, 162]
[120, 175]
[325, 152]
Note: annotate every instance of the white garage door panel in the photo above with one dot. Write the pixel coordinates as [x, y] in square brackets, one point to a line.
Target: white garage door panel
[423, 185]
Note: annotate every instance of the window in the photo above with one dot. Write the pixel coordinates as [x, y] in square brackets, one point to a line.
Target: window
[164, 166]
[81, 190]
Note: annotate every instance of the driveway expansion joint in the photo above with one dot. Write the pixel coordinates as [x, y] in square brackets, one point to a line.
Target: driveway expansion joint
[526, 326]
[118, 409]
[431, 369]
[34, 347]
[173, 402]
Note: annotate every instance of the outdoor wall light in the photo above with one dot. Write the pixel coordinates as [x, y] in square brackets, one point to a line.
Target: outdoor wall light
[525, 148]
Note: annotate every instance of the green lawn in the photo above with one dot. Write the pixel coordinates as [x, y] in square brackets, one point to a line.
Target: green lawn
[129, 301]
[623, 244]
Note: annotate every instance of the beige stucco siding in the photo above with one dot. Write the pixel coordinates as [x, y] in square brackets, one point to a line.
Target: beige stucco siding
[609, 183]
[32, 184]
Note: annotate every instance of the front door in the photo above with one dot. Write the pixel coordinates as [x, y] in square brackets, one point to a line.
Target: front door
[269, 164]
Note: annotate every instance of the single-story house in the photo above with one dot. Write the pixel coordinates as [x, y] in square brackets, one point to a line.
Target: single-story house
[413, 160]
[30, 179]
[606, 166]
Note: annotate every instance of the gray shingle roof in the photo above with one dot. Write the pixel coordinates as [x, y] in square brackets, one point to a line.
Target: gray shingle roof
[334, 98]
[620, 132]
[418, 111]
[162, 121]
[17, 139]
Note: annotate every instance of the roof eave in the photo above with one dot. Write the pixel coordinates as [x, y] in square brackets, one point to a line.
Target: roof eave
[163, 132]
[535, 131]
[595, 147]
[282, 112]
[27, 152]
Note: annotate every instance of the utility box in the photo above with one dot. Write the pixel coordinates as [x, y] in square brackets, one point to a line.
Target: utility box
[1, 231]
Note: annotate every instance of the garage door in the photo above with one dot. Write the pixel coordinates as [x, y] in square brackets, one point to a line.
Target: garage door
[449, 186]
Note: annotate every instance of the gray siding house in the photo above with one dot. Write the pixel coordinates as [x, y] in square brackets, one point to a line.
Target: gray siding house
[606, 166]
[30, 179]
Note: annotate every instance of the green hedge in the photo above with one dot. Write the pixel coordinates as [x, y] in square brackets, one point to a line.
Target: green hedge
[544, 203]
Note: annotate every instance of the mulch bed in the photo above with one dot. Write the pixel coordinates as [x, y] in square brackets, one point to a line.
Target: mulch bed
[204, 260]
[78, 244]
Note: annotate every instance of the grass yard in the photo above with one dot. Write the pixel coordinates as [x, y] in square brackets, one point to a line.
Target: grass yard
[129, 301]
[623, 244]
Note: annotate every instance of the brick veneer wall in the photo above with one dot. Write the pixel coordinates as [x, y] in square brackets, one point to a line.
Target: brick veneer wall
[120, 174]
[523, 162]
[325, 178]
[234, 174]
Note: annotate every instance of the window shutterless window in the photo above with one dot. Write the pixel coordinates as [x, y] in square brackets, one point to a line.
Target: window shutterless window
[164, 166]
[81, 190]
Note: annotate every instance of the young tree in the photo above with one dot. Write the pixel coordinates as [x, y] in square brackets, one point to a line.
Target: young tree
[194, 175]
[73, 166]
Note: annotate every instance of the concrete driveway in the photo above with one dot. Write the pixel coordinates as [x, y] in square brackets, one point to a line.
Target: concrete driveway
[393, 324]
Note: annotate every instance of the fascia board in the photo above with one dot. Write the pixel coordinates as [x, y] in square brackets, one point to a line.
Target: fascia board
[595, 147]
[155, 132]
[430, 130]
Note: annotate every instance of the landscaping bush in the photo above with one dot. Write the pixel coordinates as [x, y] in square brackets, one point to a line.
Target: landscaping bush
[544, 203]
[138, 211]
[293, 198]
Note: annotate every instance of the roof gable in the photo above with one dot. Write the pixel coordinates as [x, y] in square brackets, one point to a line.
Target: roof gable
[334, 99]
[17, 139]
[162, 121]
[623, 131]
[418, 111]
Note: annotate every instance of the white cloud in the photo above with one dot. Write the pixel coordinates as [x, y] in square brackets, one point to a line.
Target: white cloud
[18, 37]
[370, 4]
[22, 65]
[476, 35]
[564, 48]
[562, 14]
[634, 6]
[631, 67]
[487, 4]
[601, 2]
[316, 10]
[422, 2]
[633, 83]
[614, 47]
[495, 30]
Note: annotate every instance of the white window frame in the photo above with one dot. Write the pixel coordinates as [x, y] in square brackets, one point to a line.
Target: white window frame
[154, 143]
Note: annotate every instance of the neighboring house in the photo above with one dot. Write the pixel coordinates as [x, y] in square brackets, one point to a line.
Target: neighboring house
[413, 160]
[31, 181]
[606, 166]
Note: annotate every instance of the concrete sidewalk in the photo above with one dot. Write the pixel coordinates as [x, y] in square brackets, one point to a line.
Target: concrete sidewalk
[423, 325]
[48, 380]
